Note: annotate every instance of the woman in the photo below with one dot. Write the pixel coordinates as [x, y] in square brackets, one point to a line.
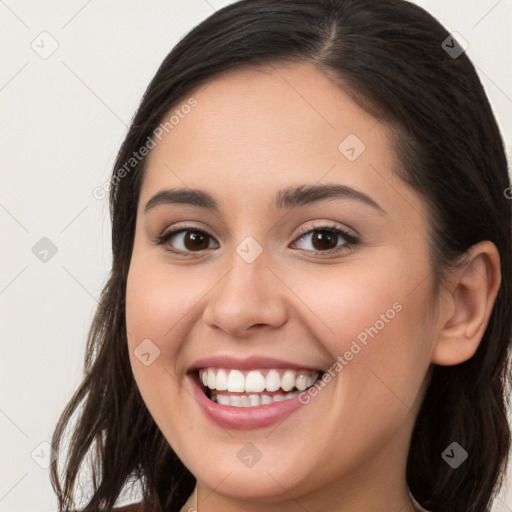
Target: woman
[309, 306]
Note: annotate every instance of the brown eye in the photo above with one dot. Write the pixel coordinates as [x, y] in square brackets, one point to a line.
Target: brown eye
[326, 240]
[186, 240]
[194, 240]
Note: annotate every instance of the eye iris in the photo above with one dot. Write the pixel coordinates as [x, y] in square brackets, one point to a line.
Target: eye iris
[325, 236]
[195, 237]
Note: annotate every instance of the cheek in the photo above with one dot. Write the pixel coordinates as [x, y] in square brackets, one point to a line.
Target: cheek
[367, 300]
[381, 352]
[158, 302]
[155, 317]
[374, 322]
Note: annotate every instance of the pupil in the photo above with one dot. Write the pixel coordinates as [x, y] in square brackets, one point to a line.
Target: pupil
[194, 237]
[324, 236]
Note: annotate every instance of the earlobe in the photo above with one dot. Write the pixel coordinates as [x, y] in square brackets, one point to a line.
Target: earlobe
[467, 308]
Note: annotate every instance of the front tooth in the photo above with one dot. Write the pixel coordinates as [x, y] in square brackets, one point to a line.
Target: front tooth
[288, 380]
[272, 381]
[278, 398]
[211, 378]
[254, 382]
[221, 382]
[245, 402]
[236, 381]
[301, 382]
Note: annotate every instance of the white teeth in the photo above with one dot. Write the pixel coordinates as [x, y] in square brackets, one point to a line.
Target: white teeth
[266, 399]
[223, 400]
[254, 400]
[211, 379]
[221, 382]
[236, 381]
[251, 400]
[288, 380]
[236, 400]
[272, 381]
[256, 381]
[301, 382]
[309, 380]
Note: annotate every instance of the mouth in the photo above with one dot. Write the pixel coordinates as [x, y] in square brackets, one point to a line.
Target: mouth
[255, 387]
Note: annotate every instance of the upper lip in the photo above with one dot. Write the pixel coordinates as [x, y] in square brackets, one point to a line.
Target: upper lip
[248, 363]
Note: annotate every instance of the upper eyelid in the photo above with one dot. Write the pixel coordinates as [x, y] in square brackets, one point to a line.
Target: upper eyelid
[327, 225]
[302, 231]
[321, 224]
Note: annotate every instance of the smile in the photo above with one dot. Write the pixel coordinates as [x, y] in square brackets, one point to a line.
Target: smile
[252, 388]
[249, 393]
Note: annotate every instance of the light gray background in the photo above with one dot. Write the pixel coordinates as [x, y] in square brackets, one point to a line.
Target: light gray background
[62, 120]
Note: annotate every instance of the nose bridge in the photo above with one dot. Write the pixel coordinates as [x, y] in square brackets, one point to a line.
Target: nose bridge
[248, 293]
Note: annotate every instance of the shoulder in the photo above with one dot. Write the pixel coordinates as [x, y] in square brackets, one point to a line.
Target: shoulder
[134, 507]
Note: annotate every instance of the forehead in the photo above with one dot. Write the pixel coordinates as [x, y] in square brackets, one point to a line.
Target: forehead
[276, 107]
[252, 130]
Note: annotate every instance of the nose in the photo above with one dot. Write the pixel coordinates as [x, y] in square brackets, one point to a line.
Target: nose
[247, 297]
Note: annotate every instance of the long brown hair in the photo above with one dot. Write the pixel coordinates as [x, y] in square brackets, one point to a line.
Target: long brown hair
[391, 56]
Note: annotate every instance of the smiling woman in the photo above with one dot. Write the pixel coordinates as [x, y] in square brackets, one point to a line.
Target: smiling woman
[309, 305]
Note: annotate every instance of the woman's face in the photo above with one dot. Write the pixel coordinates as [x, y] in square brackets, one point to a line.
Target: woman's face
[262, 293]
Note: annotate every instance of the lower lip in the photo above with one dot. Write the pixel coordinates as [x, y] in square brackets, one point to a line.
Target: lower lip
[244, 418]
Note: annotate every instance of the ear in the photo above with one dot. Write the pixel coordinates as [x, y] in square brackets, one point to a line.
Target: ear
[467, 305]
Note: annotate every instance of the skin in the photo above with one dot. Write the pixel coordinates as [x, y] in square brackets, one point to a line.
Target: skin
[253, 133]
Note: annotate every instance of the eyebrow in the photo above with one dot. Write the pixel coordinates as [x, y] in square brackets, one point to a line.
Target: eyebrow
[288, 198]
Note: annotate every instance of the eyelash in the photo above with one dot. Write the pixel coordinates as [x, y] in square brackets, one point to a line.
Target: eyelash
[350, 240]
